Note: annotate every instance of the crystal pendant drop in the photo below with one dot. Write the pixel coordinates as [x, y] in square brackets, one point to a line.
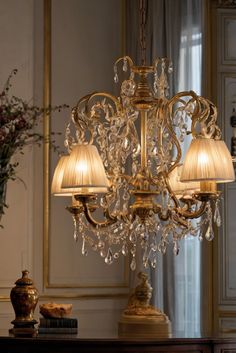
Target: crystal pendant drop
[124, 249]
[84, 250]
[154, 262]
[102, 253]
[170, 68]
[133, 237]
[176, 248]
[116, 255]
[217, 218]
[109, 258]
[133, 264]
[116, 79]
[209, 235]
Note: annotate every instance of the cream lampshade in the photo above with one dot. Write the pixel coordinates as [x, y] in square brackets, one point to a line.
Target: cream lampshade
[85, 171]
[207, 160]
[56, 188]
[225, 161]
[181, 188]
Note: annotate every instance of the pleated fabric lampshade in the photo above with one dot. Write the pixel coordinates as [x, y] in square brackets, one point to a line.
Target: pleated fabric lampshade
[85, 171]
[207, 160]
[182, 188]
[226, 162]
[56, 188]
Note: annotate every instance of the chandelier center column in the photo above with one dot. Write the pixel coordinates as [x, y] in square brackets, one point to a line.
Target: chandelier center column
[143, 139]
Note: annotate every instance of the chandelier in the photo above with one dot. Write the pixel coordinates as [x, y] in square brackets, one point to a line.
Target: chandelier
[131, 185]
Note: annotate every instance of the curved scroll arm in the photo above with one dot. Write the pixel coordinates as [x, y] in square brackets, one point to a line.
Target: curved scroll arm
[204, 113]
[83, 117]
[207, 116]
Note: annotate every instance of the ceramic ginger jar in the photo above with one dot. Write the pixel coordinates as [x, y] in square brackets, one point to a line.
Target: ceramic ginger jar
[24, 298]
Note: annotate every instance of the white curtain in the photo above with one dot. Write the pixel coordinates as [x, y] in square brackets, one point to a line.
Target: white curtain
[174, 30]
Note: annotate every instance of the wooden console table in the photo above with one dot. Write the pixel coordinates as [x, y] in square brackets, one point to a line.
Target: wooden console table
[75, 344]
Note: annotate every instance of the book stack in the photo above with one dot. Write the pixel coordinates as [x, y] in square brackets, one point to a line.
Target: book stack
[59, 325]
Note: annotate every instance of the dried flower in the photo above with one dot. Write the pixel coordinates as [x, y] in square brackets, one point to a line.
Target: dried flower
[17, 122]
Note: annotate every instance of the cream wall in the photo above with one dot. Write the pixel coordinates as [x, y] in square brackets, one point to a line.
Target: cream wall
[16, 38]
[86, 39]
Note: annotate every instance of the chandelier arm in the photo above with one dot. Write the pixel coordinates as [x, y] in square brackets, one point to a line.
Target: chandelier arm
[191, 215]
[178, 96]
[109, 220]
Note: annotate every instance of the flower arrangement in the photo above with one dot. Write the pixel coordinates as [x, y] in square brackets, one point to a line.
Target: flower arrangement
[17, 122]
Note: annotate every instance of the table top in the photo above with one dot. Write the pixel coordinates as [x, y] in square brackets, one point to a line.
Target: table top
[102, 336]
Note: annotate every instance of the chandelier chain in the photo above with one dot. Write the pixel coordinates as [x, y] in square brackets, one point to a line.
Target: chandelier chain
[142, 20]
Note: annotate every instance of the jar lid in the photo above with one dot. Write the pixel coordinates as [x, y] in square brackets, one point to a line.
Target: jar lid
[24, 280]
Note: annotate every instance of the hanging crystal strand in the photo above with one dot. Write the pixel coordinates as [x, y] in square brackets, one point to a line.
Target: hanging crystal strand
[162, 79]
[164, 239]
[143, 236]
[209, 235]
[116, 79]
[145, 257]
[156, 82]
[153, 252]
[76, 227]
[84, 250]
[217, 218]
[126, 197]
[100, 244]
[116, 210]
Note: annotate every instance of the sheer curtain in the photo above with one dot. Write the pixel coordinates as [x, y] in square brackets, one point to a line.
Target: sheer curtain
[174, 30]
